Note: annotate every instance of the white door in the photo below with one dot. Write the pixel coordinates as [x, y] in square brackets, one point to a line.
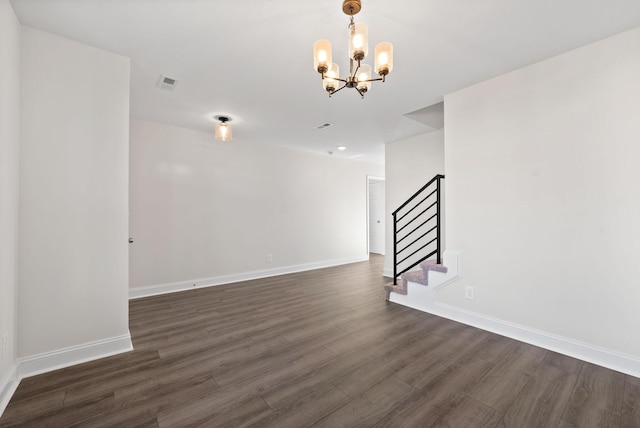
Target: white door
[376, 216]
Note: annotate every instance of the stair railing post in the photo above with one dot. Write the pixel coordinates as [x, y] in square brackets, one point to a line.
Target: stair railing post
[438, 244]
[395, 251]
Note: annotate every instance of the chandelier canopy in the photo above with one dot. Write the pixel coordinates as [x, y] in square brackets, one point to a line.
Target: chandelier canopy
[359, 76]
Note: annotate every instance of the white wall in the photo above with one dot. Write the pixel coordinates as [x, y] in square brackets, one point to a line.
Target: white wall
[543, 196]
[9, 142]
[409, 165]
[205, 211]
[73, 258]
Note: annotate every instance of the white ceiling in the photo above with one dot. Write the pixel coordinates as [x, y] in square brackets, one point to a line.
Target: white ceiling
[252, 60]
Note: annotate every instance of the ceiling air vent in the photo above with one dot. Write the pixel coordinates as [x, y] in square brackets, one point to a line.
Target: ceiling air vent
[324, 125]
[168, 83]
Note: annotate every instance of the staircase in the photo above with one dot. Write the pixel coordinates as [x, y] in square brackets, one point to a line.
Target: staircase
[417, 237]
[419, 276]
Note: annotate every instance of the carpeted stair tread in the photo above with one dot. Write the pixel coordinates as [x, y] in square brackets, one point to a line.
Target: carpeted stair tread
[418, 276]
[433, 265]
[415, 276]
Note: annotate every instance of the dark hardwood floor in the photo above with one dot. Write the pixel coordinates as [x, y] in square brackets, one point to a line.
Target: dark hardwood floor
[320, 348]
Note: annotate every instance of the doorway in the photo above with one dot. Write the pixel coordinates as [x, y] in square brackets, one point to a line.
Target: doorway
[376, 215]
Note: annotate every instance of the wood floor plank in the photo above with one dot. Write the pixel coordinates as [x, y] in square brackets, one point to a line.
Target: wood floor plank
[244, 413]
[383, 366]
[263, 365]
[301, 405]
[431, 364]
[349, 342]
[319, 348]
[597, 399]
[630, 414]
[70, 416]
[199, 410]
[26, 408]
[464, 412]
[370, 407]
[334, 370]
[445, 390]
[505, 381]
[543, 400]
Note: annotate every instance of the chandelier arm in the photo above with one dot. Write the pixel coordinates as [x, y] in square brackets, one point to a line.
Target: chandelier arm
[372, 80]
[336, 78]
[339, 89]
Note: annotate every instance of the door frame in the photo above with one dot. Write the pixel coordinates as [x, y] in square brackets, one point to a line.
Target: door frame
[371, 178]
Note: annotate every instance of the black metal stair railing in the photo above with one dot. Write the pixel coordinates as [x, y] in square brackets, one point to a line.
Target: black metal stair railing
[416, 228]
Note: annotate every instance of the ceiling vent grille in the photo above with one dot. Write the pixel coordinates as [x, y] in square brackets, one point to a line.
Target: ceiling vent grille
[324, 125]
[168, 83]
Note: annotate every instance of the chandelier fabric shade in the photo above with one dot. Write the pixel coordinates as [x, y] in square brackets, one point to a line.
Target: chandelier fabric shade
[359, 76]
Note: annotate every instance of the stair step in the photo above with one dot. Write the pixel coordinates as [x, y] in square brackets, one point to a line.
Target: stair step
[418, 276]
[433, 265]
[415, 276]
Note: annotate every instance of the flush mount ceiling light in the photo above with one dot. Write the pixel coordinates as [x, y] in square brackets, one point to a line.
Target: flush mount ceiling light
[223, 128]
[359, 76]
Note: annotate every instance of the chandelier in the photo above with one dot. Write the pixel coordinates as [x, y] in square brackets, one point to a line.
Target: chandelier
[359, 77]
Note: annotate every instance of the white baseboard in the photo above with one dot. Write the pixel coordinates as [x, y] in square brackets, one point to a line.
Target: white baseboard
[154, 290]
[60, 358]
[423, 299]
[8, 385]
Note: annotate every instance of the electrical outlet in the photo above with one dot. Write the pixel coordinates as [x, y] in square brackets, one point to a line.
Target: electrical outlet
[469, 292]
[5, 345]
[269, 258]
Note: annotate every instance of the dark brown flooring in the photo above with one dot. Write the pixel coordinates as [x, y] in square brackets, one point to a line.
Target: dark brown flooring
[320, 348]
